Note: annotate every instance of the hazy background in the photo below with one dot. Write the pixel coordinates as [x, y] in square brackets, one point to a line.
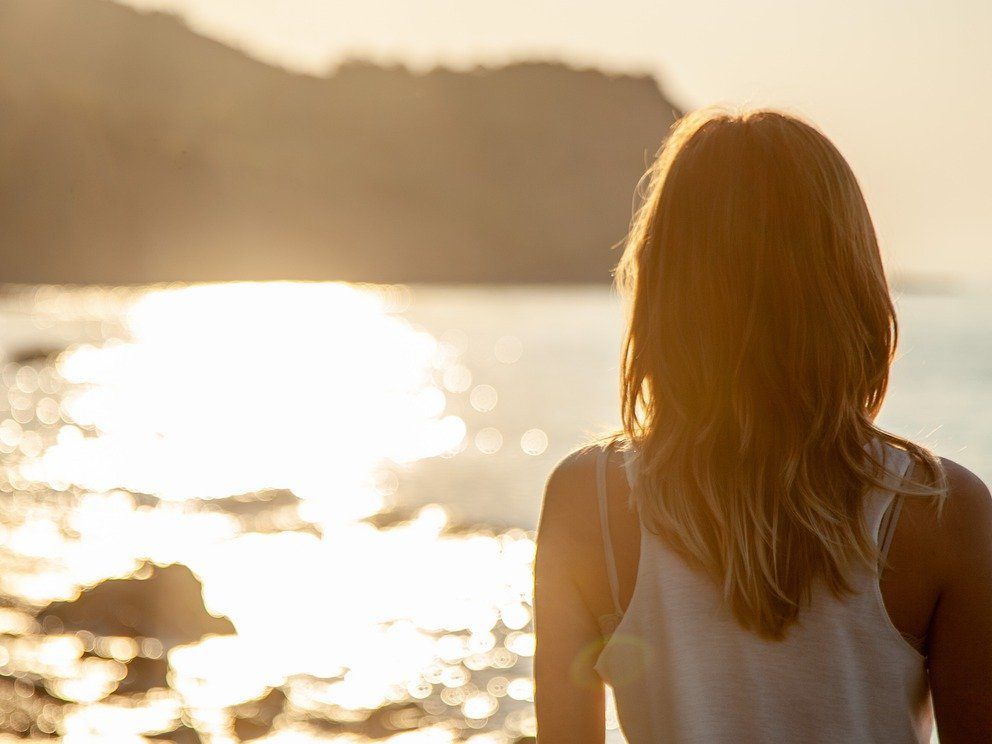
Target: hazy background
[902, 87]
[433, 141]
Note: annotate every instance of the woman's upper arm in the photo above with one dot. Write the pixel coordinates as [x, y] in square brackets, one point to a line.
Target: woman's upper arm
[569, 693]
[959, 653]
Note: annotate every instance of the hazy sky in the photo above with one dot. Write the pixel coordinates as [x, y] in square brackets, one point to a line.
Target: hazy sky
[903, 87]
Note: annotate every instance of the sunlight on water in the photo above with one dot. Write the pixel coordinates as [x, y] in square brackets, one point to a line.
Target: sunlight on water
[232, 382]
[198, 531]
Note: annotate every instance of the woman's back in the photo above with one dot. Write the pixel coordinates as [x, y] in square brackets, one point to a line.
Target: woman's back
[936, 592]
[683, 669]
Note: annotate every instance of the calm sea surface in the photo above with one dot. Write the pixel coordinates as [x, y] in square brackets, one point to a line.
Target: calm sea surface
[304, 512]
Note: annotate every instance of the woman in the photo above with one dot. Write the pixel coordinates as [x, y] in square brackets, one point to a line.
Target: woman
[753, 560]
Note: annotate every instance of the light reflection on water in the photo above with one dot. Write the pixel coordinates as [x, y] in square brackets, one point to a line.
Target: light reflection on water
[249, 432]
[231, 381]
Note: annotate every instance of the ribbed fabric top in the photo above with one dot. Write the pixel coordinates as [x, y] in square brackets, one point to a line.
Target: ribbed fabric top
[683, 670]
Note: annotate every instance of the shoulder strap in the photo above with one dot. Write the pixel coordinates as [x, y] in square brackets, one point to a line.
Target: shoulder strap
[890, 518]
[630, 465]
[888, 527]
[604, 524]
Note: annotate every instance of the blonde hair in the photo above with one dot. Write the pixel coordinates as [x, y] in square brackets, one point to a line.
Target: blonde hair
[759, 337]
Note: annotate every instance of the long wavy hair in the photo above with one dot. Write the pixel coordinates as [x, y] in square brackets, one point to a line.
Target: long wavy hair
[759, 337]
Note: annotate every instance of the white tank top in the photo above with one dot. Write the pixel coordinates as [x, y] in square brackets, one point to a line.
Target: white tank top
[683, 670]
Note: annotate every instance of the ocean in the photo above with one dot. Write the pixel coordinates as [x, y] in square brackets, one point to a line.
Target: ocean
[300, 512]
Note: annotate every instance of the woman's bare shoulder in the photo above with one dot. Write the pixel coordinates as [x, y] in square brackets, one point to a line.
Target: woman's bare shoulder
[965, 522]
[967, 487]
[957, 536]
[568, 536]
[570, 493]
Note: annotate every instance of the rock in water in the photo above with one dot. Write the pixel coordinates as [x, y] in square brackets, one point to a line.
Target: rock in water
[167, 605]
[181, 735]
[145, 674]
[254, 719]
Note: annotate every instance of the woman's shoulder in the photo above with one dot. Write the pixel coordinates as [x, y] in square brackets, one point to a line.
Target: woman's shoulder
[965, 486]
[570, 541]
[956, 532]
[965, 518]
[570, 510]
[570, 493]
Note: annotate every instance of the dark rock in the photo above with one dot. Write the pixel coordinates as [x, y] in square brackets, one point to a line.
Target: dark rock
[250, 504]
[145, 674]
[167, 605]
[391, 719]
[254, 719]
[181, 735]
[35, 355]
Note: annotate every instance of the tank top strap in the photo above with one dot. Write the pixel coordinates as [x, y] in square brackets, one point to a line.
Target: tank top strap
[604, 524]
[897, 464]
[888, 528]
[630, 464]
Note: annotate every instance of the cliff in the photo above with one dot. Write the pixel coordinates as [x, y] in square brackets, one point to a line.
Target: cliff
[134, 150]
